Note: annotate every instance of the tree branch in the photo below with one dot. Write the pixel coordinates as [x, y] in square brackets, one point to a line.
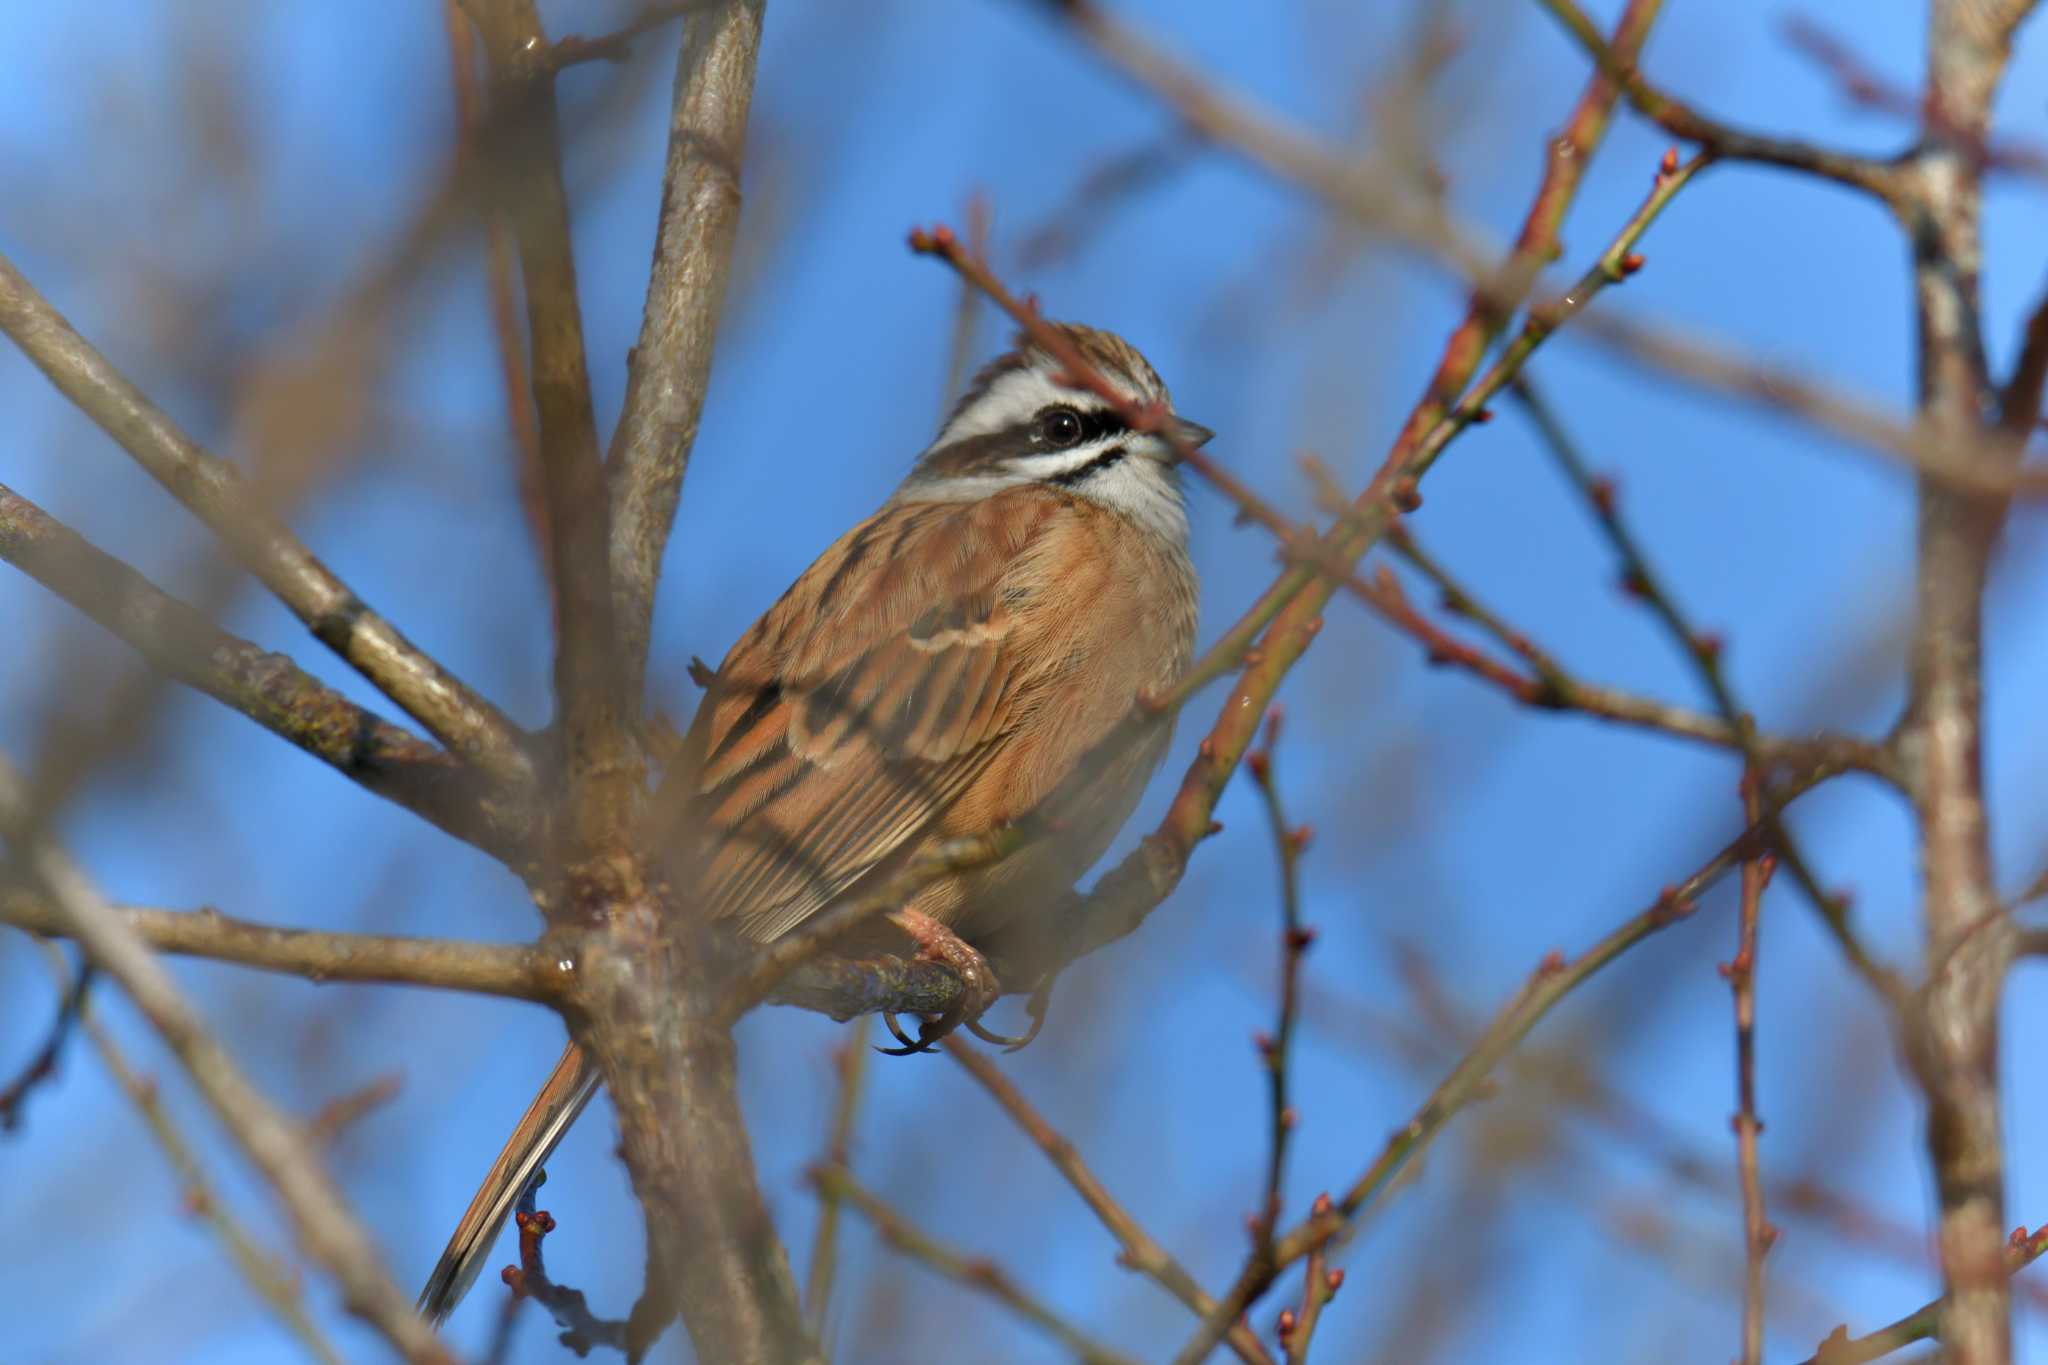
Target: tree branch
[976, 1272]
[326, 1229]
[1858, 172]
[670, 368]
[1138, 1250]
[1952, 1035]
[272, 1280]
[514, 971]
[602, 766]
[1553, 980]
[214, 490]
[267, 688]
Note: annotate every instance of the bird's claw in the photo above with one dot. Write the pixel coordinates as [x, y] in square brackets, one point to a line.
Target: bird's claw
[978, 988]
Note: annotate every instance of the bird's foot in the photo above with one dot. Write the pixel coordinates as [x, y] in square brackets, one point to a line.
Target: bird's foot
[978, 986]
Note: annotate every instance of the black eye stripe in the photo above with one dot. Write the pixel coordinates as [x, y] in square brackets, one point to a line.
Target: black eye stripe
[1096, 423]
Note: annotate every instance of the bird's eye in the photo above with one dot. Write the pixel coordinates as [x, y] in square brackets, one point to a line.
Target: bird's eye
[1059, 427]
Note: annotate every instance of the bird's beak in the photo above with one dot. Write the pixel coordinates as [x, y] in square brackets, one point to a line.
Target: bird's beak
[1190, 435]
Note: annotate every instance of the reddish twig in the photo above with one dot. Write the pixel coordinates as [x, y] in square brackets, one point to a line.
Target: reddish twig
[1757, 1233]
[1275, 1048]
[1706, 654]
[1319, 1285]
[582, 1330]
[1554, 979]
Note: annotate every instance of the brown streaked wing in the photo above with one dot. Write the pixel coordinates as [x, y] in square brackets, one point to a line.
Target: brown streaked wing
[861, 705]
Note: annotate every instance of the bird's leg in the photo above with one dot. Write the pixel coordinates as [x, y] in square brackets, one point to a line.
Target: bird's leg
[978, 986]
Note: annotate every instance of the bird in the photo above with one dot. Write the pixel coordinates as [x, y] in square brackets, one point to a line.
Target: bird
[939, 672]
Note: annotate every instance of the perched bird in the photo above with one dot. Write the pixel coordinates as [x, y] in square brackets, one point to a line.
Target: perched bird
[939, 672]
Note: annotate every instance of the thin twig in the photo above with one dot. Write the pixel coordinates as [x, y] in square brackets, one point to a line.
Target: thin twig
[218, 495]
[976, 1272]
[581, 1329]
[850, 1062]
[1372, 197]
[1554, 979]
[43, 1066]
[1757, 1233]
[669, 370]
[321, 1219]
[1276, 1048]
[514, 971]
[2022, 1249]
[1858, 172]
[1706, 655]
[1551, 686]
[1138, 1250]
[273, 1281]
[1319, 1285]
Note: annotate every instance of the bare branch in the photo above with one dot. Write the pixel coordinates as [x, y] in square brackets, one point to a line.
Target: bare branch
[1139, 1251]
[1757, 1233]
[1554, 979]
[1369, 195]
[273, 1282]
[2022, 1249]
[602, 767]
[514, 971]
[670, 368]
[470, 726]
[1858, 172]
[850, 1062]
[43, 1065]
[1952, 1038]
[267, 688]
[976, 1272]
[326, 1229]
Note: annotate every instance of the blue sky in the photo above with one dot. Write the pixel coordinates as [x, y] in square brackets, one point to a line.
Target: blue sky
[1449, 823]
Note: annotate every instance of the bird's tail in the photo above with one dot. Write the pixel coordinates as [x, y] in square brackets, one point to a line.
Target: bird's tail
[540, 1130]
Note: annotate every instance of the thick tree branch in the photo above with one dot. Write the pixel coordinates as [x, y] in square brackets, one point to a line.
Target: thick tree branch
[515, 971]
[326, 1229]
[267, 688]
[1952, 1036]
[470, 726]
[668, 1062]
[670, 368]
[602, 765]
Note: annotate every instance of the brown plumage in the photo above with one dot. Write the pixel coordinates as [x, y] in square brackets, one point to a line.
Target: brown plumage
[938, 672]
